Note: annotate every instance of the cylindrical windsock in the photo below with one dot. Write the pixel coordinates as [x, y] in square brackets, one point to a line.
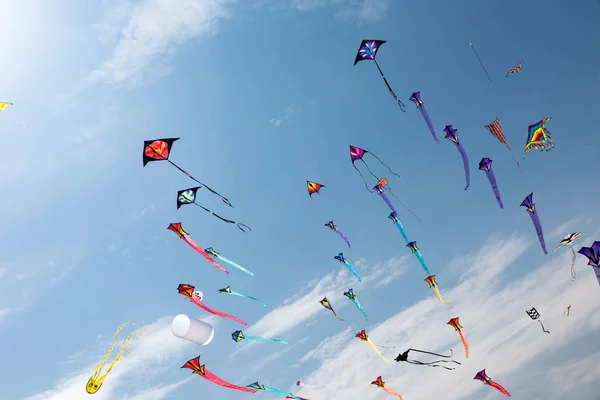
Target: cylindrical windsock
[192, 330]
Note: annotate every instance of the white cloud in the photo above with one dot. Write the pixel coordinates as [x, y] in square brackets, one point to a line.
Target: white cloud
[4, 312]
[275, 122]
[564, 229]
[3, 272]
[502, 338]
[288, 112]
[158, 392]
[361, 11]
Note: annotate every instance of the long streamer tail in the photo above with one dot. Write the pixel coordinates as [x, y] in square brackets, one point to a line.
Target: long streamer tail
[425, 115]
[390, 391]
[542, 325]
[422, 261]
[387, 201]
[400, 104]
[360, 309]
[404, 205]
[499, 387]
[229, 221]
[372, 345]
[573, 272]
[384, 164]
[218, 381]
[464, 341]
[363, 177]
[343, 237]
[513, 156]
[248, 297]
[480, 62]
[195, 246]
[215, 312]
[538, 228]
[492, 178]
[280, 392]
[264, 339]
[234, 264]
[436, 354]
[465, 160]
[223, 198]
[402, 231]
[353, 271]
[437, 293]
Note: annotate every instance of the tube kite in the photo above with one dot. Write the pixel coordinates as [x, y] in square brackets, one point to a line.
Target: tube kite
[227, 290]
[538, 137]
[415, 250]
[362, 335]
[352, 297]
[313, 187]
[340, 258]
[188, 196]
[325, 303]
[258, 386]
[299, 383]
[403, 357]
[535, 315]
[482, 376]
[95, 382]
[535, 218]
[394, 217]
[196, 298]
[381, 384]
[433, 285]
[160, 150]
[333, 227]
[457, 326]
[176, 227]
[452, 135]
[218, 256]
[496, 129]
[486, 165]
[194, 365]
[480, 62]
[515, 70]
[238, 336]
[568, 241]
[593, 255]
[416, 98]
[381, 184]
[567, 311]
[368, 51]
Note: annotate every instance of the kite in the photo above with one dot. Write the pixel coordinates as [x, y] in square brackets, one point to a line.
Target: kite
[567, 312]
[486, 165]
[416, 98]
[535, 315]
[294, 397]
[379, 383]
[368, 51]
[218, 256]
[404, 357]
[362, 335]
[194, 365]
[188, 196]
[97, 379]
[381, 184]
[160, 150]
[196, 298]
[535, 218]
[258, 386]
[352, 297]
[192, 330]
[176, 227]
[394, 217]
[313, 187]
[458, 327]
[415, 250]
[340, 258]
[538, 137]
[496, 129]
[325, 303]
[452, 135]
[480, 62]
[3, 106]
[515, 70]
[238, 336]
[433, 285]
[227, 290]
[482, 376]
[332, 226]
[298, 383]
[568, 241]
[356, 153]
[593, 255]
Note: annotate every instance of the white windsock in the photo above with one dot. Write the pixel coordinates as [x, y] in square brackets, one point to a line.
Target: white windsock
[192, 330]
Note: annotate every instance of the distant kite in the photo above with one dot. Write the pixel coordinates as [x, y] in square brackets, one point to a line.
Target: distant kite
[340, 258]
[433, 285]
[188, 196]
[325, 303]
[515, 70]
[194, 365]
[415, 250]
[403, 357]
[381, 384]
[227, 290]
[333, 227]
[568, 241]
[238, 336]
[218, 256]
[452, 135]
[362, 335]
[458, 327]
[482, 376]
[496, 129]
[535, 218]
[538, 137]
[416, 98]
[313, 187]
[535, 315]
[352, 297]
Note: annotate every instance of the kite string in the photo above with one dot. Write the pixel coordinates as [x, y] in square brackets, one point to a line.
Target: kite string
[573, 272]
[389, 169]
[480, 62]
[404, 205]
[363, 178]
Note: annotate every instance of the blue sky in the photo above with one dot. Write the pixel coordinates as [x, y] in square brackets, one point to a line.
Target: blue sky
[264, 96]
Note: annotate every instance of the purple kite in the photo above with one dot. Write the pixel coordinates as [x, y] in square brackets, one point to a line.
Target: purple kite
[332, 226]
[356, 153]
[535, 218]
[452, 135]
[486, 165]
[593, 255]
[483, 377]
[416, 98]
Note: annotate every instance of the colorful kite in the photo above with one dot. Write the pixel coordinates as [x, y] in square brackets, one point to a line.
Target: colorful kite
[482, 376]
[362, 335]
[567, 311]
[356, 153]
[258, 386]
[433, 285]
[340, 258]
[97, 379]
[486, 165]
[394, 217]
[194, 365]
[227, 290]
[568, 241]
[480, 62]
[458, 327]
[496, 129]
[368, 51]
[535, 315]
[415, 250]
[325, 303]
[593, 255]
[515, 70]
[188, 196]
[416, 98]
[352, 297]
[379, 383]
[538, 137]
[535, 218]
[3, 106]
[176, 227]
[403, 357]
[381, 184]
[333, 227]
[238, 336]
[298, 383]
[452, 135]
[218, 256]
[196, 298]
[160, 150]
[313, 187]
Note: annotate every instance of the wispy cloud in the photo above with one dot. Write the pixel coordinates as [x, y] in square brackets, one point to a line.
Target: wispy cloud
[157, 392]
[288, 113]
[566, 228]
[361, 11]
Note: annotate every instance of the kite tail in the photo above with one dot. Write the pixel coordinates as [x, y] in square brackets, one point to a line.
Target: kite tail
[363, 178]
[422, 261]
[387, 201]
[404, 205]
[567, 311]
[362, 310]
[425, 115]
[223, 198]
[538, 228]
[400, 104]
[390, 391]
[123, 349]
[239, 225]
[597, 272]
[343, 237]
[215, 312]
[544, 329]
[402, 231]
[280, 392]
[513, 156]
[465, 159]
[573, 273]
[389, 169]
[464, 341]
[480, 62]
[195, 246]
[234, 264]
[492, 178]
[372, 345]
[264, 339]
[436, 354]
[499, 387]
[216, 380]
[351, 268]
[248, 297]
[437, 293]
